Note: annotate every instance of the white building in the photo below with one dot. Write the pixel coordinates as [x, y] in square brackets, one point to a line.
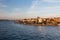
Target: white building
[40, 20]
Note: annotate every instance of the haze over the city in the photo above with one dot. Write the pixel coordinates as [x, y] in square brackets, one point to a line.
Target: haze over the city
[16, 9]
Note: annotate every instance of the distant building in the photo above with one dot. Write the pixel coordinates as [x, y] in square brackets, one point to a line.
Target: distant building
[57, 20]
[39, 20]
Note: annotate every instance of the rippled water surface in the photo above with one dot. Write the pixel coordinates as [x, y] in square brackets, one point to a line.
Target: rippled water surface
[12, 31]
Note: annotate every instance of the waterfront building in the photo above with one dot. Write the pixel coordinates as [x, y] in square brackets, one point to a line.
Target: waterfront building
[57, 20]
[39, 20]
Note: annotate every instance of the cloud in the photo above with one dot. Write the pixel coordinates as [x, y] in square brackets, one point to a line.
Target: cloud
[2, 10]
[34, 3]
[3, 5]
[53, 1]
[37, 10]
[15, 13]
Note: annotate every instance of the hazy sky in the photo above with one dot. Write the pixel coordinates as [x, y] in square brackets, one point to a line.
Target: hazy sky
[15, 9]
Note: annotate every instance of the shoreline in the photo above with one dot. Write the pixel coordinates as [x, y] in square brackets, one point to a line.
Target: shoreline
[40, 21]
[38, 24]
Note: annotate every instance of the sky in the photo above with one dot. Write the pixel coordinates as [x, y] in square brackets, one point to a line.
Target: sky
[17, 9]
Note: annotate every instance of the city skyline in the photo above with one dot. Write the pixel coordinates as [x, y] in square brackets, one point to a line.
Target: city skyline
[15, 9]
